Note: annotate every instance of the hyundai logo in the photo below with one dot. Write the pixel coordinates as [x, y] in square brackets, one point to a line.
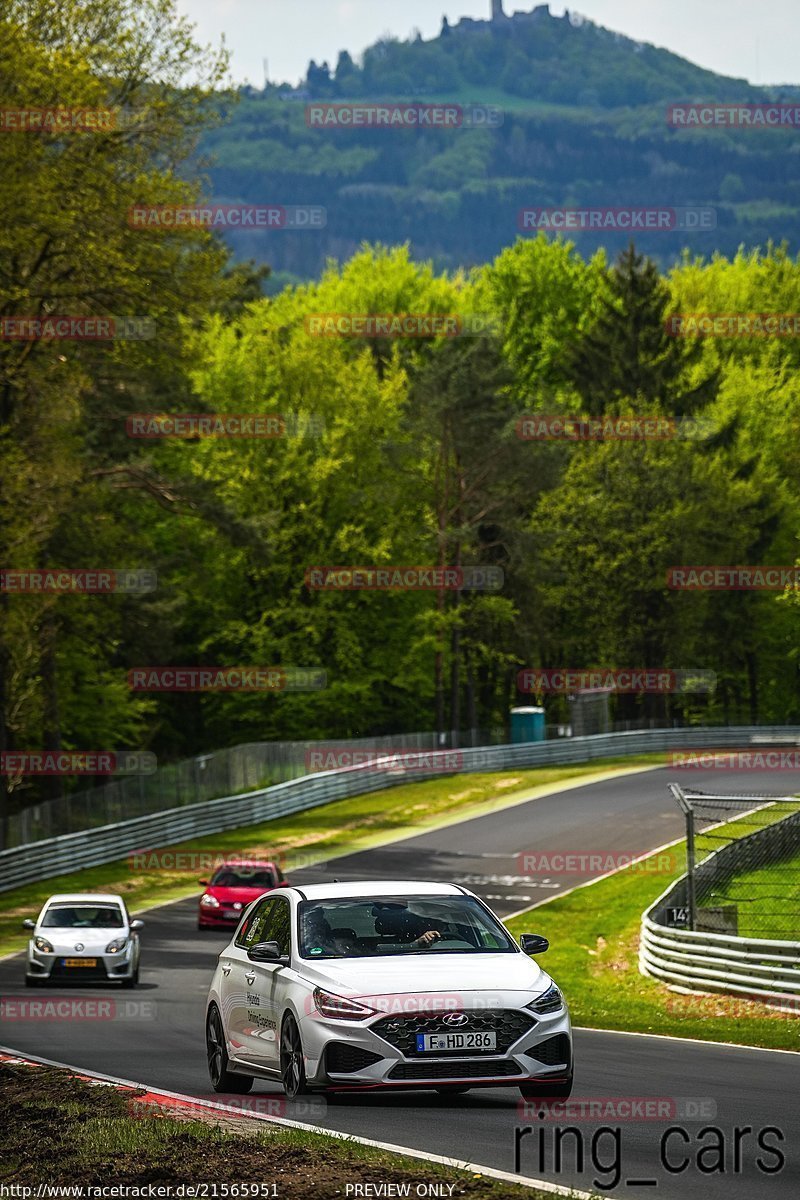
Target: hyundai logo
[79, 945]
[454, 1019]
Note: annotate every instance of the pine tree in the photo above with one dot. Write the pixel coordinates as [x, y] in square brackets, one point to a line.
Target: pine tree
[627, 354]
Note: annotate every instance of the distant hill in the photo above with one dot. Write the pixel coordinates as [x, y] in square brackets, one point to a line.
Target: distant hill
[535, 55]
[583, 124]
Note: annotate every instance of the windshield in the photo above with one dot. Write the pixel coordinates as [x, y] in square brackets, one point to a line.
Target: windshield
[246, 877]
[83, 916]
[361, 927]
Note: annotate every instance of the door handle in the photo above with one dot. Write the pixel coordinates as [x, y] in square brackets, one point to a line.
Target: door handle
[250, 976]
[226, 968]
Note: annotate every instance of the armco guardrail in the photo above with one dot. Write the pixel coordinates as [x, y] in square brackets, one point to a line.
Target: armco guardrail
[93, 847]
[719, 962]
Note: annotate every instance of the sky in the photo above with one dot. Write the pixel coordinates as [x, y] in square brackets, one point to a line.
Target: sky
[733, 37]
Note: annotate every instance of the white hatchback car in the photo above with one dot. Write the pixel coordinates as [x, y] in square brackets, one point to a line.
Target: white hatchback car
[83, 935]
[384, 985]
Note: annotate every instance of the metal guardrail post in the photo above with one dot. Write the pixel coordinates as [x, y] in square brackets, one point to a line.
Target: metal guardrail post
[691, 902]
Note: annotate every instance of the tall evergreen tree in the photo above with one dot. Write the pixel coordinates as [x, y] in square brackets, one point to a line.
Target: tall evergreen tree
[626, 355]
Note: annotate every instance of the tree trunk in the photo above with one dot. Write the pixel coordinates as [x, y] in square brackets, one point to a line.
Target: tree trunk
[52, 785]
[6, 735]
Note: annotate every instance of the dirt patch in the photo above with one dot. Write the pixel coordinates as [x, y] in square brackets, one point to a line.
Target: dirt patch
[50, 1117]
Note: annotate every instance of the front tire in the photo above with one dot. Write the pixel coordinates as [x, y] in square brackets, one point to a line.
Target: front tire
[222, 1079]
[293, 1068]
[132, 980]
[31, 982]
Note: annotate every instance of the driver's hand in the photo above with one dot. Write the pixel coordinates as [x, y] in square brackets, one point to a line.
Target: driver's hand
[427, 938]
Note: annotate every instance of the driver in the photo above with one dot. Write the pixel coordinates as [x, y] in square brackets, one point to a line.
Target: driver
[317, 933]
[405, 927]
[427, 939]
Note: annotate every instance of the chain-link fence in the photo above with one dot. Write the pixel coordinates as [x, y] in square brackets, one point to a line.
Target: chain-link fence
[743, 860]
[246, 768]
[225, 773]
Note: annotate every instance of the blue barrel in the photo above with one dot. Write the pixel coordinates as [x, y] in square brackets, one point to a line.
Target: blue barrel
[527, 725]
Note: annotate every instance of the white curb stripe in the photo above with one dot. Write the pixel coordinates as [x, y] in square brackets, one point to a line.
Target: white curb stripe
[672, 1037]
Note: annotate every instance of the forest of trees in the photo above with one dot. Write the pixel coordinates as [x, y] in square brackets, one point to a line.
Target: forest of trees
[564, 60]
[584, 122]
[399, 451]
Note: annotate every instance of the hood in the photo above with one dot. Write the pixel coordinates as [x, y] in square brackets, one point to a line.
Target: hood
[230, 895]
[410, 975]
[94, 941]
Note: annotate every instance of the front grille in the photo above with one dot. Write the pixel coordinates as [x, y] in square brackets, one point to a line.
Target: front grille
[343, 1058]
[491, 1068]
[98, 972]
[508, 1024]
[552, 1052]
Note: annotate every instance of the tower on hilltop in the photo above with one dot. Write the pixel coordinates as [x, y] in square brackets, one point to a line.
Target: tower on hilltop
[497, 10]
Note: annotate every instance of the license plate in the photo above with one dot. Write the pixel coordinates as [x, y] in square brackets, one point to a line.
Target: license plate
[231, 916]
[79, 962]
[456, 1041]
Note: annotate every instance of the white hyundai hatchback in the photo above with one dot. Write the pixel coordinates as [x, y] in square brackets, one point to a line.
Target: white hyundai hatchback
[384, 985]
[85, 935]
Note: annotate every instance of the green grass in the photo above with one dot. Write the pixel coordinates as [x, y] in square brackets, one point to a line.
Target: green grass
[594, 935]
[767, 900]
[312, 836]
[93, 1136]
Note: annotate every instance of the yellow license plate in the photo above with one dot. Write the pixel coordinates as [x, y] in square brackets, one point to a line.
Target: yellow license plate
[80, 962]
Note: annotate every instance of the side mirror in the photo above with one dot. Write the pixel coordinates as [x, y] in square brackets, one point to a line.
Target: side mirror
[28, 923]
[533, 943]
[266, 952]
[136, 926]
[203, 882]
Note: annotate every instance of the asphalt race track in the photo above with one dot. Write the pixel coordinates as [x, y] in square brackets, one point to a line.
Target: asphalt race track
[157, 1036]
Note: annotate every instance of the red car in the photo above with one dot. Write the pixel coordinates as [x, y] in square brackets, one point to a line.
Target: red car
[232, 887]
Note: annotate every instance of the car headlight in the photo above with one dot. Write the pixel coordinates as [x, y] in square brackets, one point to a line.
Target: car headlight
[341, 1009]
[209, 902]
[549, 1001]
[117, 945]
[42, 944]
